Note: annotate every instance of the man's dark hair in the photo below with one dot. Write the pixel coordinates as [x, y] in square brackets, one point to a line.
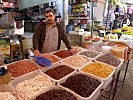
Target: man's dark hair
[47, 10]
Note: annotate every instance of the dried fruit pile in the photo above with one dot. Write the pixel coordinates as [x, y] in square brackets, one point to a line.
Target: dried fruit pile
[56, 94]
[59, 71]
[98, 69]
[81, 84]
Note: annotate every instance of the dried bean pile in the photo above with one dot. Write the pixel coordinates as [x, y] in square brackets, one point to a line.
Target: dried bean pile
[56, 94]
[21, 67]
[63, 53]
[81, 84]
[29, 88]
[109, 59]
[7, 96]
[98, 69]
[52, 58]
[91, 54]
[76, 61]
[59, 71]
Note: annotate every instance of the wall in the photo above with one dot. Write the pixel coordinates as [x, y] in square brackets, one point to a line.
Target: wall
[29, 3]
[99, 9]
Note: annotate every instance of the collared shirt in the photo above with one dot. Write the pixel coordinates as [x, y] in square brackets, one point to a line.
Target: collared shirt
[51, 40]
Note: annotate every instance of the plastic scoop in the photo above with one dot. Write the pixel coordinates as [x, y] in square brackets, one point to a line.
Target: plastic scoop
[42, 61]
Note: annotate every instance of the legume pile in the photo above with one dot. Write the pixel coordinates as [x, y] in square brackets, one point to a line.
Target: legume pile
[98, 69]
[59, 71]
[109, 59]
[29, 88]
[21, 67]
[81, 84]
[56, 94]
[63, 53]
[91, 54]
[76, 61]
[52, 58]
[7, 96]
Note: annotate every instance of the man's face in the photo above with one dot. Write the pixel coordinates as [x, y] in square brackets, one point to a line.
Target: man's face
[49, 17]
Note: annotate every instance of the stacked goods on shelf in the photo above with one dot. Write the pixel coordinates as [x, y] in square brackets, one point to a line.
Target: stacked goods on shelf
[127, 30]
[79, 14]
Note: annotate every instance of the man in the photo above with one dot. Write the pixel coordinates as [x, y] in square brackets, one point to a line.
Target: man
[48, 35]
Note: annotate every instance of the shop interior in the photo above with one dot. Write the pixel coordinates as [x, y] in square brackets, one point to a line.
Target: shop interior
[101, 33]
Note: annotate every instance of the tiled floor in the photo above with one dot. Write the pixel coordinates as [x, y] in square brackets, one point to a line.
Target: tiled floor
[126, 92]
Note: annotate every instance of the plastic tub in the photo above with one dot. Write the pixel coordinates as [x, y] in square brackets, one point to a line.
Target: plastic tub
[116, 68]
[106, 80]
[25, 73]
[95, 93]
[20, 79]
[54, 66]
[6, 88]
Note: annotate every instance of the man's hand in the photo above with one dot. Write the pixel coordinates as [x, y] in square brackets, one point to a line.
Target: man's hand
[36, 53]
[73, 51]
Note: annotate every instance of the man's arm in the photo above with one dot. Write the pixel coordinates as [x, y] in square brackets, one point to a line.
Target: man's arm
[65, 39]
[36, 38]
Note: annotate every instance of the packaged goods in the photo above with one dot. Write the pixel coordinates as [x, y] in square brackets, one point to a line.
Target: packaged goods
[76, 61]
[99, 69]
[56, 94]
[52, 58]
[7, 96]
[81, 84]
[59, 71]
[27, 89]
[63, 53]
[21, 67]
[91, 54]
[109, 59]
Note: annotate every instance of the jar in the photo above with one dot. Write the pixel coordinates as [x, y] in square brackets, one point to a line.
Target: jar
[96, 44]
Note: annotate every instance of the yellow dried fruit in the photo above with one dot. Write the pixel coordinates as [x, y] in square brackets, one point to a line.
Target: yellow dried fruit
[98, 69]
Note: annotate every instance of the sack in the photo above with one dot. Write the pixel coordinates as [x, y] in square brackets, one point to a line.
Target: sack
[19, 24]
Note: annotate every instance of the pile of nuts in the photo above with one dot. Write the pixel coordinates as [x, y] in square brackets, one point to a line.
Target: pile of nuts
[7, 96]
[21, 67]
[29, 88]
[76, 61]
